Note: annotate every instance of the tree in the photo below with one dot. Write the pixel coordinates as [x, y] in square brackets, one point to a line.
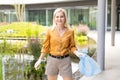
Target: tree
[19, 9]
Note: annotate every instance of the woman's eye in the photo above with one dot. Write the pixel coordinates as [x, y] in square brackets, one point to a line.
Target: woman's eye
[59, 16]
[62, 16]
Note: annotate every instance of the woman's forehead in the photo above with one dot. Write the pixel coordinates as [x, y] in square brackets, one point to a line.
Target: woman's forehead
[59, 13]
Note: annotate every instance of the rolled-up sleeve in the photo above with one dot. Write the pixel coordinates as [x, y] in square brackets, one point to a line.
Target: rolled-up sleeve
[46, 43]
[72, 43]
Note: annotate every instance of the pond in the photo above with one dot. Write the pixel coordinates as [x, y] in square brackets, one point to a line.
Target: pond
[21, 67]
[13, 66]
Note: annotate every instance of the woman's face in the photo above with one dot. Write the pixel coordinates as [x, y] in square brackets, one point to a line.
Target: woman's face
[59, 18]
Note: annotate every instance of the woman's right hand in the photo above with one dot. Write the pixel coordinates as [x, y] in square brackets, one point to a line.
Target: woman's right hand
[37, 64]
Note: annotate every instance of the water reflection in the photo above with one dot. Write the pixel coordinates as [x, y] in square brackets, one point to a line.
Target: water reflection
[13, 66]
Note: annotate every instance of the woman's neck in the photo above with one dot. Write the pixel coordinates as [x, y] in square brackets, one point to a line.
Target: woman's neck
[60, 27]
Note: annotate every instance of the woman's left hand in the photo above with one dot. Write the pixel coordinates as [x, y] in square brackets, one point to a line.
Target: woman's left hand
[78, 54]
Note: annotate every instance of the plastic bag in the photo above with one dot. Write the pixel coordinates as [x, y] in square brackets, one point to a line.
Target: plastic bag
[88, 66]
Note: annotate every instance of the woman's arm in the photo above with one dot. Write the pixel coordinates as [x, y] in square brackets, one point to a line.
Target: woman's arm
[42, 56]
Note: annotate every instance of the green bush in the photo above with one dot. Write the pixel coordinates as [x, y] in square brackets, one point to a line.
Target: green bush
[92, 25]
[35, 47]
[29, 71]
[21, 29]
[33, 74]
[10, 48]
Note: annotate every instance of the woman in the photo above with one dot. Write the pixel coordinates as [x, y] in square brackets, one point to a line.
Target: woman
[58, 44]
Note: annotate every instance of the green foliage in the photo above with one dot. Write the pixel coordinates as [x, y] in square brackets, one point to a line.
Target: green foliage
[21, 29]
[0, 67]
[35, 47]
[33, 33]
[92, 24]
[10, 48]
[30, 71]
[81, 40]
[5, 48]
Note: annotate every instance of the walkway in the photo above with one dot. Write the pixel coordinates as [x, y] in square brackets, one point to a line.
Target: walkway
[112, 58]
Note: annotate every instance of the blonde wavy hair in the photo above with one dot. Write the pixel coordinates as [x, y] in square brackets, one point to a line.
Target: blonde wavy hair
[64, 12]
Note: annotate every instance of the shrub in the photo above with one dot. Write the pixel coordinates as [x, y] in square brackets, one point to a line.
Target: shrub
[21, 29]
[10, 48]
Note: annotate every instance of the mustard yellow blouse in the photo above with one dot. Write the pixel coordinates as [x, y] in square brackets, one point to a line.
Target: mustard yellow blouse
[59, 45]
